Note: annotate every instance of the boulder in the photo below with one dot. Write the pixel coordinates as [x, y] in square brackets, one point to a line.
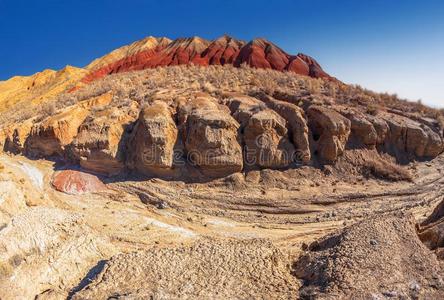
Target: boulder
[151, 146]
[415, 140]
[330, 132]
[266, 141]
[77, 183]
[265, 136]
[211, 140]
[100, 144]
[49, 137]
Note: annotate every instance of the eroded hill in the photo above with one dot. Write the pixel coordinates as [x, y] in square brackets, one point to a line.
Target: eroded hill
[217, 182]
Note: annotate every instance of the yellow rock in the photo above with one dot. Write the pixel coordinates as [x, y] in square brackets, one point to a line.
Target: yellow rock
[50, 136]
[15, 136]
[101, 100]
[39, 87]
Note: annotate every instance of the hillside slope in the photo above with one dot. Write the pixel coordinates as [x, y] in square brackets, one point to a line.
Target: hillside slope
[224, 176]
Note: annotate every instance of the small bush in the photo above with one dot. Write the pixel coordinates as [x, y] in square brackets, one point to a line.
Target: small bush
[387, 170]
[372, 109]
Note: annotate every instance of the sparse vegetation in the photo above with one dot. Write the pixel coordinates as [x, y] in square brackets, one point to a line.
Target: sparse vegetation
[142, 85]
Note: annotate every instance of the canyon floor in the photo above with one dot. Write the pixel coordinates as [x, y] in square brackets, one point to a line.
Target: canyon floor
[237, 237]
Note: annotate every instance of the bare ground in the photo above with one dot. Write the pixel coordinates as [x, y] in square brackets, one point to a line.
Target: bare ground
[263, 220]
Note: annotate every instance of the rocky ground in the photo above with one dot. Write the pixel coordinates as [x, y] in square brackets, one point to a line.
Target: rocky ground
[216, 183]
[230, 238]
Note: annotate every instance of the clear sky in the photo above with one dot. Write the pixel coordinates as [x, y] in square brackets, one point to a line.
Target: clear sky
[385, 45]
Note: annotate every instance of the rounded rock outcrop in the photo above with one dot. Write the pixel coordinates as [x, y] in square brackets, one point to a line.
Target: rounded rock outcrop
[151, 146]
[211, 139]
[100, 143]
[266, 141]
[330, 132]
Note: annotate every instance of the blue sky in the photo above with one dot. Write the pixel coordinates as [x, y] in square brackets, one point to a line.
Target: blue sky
[385, 45]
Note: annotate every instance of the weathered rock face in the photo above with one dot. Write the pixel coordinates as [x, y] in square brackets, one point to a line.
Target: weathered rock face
[77, 183]
[16, 135]
[363, 132]
[243, 107]
[381, 127]
[192, 135]
[52, 136]
[264, 132]
[211, 141]
[258, 53]
[330, 132]
[435, 143]
[100, 144]
[266, 141]
[49, 137]
[407, 137]
[399, 135]
[5, 133]
[151, 146]
[297, 125]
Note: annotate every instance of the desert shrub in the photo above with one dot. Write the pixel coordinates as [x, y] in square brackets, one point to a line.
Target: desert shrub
[387, 170]
[372, 109]
[48, 109]
[141, 85]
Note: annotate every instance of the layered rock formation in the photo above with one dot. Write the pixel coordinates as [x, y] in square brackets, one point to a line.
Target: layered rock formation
[413, 137]
[15, 136]
[200, 136]
[39, 87]
[49, 137]
[100, 143]
[266, 141]
[156, 52]
[297, 125]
